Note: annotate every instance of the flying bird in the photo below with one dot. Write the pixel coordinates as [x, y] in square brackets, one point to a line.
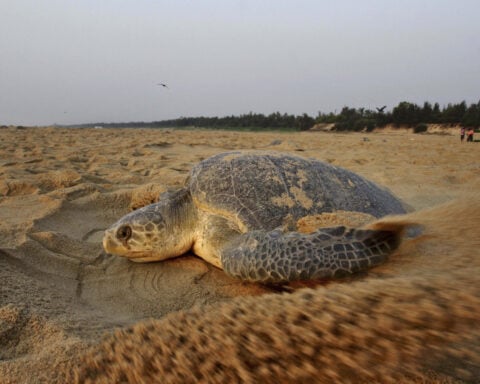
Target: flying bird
[163, 85]
[380, 110]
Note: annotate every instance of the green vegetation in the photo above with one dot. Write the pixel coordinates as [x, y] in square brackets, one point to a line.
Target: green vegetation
[420, 128]
[404, 114]
[247, 122]
[349, 119]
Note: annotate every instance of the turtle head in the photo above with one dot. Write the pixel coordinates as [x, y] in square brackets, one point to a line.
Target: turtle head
[156, 232]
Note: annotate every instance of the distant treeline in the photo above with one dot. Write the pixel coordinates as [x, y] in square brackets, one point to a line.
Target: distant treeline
[349, 119]
[250, 121]
[404, 114]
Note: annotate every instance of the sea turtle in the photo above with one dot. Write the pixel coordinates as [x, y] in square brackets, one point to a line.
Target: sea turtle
[237, 211]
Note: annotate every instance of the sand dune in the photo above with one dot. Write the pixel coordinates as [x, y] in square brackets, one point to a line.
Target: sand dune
[60, 188]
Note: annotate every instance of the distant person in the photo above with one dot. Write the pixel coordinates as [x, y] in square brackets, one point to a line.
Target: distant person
[470, 134]
[462, 134]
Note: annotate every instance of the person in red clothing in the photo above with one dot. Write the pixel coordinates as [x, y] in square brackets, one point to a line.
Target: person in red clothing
[470, 134]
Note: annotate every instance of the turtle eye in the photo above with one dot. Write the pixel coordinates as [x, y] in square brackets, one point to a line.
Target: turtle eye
[124, 233]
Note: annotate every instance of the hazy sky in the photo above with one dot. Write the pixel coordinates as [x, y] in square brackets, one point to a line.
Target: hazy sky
[74, 61]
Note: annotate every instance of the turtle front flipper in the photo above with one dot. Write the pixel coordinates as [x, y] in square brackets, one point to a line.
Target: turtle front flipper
[277, 257]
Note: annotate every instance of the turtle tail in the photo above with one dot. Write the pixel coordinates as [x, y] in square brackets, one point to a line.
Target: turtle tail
[277, 257]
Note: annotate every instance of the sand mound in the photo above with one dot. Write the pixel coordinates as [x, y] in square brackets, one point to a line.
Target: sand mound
[59, 292]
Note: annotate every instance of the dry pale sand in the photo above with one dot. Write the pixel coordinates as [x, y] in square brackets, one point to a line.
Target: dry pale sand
[59, 292]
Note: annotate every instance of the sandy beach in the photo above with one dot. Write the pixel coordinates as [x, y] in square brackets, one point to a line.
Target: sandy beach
[61, 295]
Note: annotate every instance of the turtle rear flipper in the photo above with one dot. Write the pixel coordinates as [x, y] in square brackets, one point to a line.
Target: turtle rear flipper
[276, 257]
